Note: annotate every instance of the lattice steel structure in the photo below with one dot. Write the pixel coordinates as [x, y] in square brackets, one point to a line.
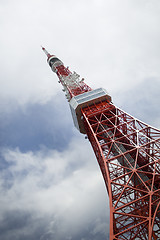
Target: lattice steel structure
[128, 153]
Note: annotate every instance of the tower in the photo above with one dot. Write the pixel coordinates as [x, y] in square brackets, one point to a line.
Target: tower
[128, 153]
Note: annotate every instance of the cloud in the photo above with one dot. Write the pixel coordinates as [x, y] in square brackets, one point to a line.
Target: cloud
[112, 44]
[64, 187]
[142, 101]
[36, 124]
[50, 183]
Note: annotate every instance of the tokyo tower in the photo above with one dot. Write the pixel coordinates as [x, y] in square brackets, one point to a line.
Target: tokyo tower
[128, 153]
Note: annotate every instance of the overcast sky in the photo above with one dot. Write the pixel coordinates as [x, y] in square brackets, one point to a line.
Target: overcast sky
[50, 183]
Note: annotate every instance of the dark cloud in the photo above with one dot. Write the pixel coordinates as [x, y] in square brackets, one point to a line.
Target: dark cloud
[37, 125]
[50, 183]
[142, 101]
[24, 225]
[44, 195]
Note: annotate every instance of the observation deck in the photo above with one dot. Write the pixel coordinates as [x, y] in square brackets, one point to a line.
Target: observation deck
[84, 100]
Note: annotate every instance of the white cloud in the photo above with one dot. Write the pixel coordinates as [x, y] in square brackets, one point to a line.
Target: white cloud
[66, 185]
[114, 44]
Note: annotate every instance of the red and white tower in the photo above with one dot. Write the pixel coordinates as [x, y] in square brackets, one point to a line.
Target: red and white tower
[128, 153]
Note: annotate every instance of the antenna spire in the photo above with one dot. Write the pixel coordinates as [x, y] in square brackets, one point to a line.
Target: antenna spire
[46, 52]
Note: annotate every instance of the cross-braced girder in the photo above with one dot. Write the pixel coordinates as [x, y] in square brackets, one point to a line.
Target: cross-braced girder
[128, 152]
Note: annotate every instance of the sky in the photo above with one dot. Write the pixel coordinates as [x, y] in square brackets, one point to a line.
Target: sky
[50, 184]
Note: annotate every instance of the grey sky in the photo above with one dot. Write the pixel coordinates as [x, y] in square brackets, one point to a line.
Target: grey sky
[50, 183]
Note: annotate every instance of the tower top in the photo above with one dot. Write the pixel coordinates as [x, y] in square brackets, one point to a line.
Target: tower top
[46, 52]
[71, 82]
